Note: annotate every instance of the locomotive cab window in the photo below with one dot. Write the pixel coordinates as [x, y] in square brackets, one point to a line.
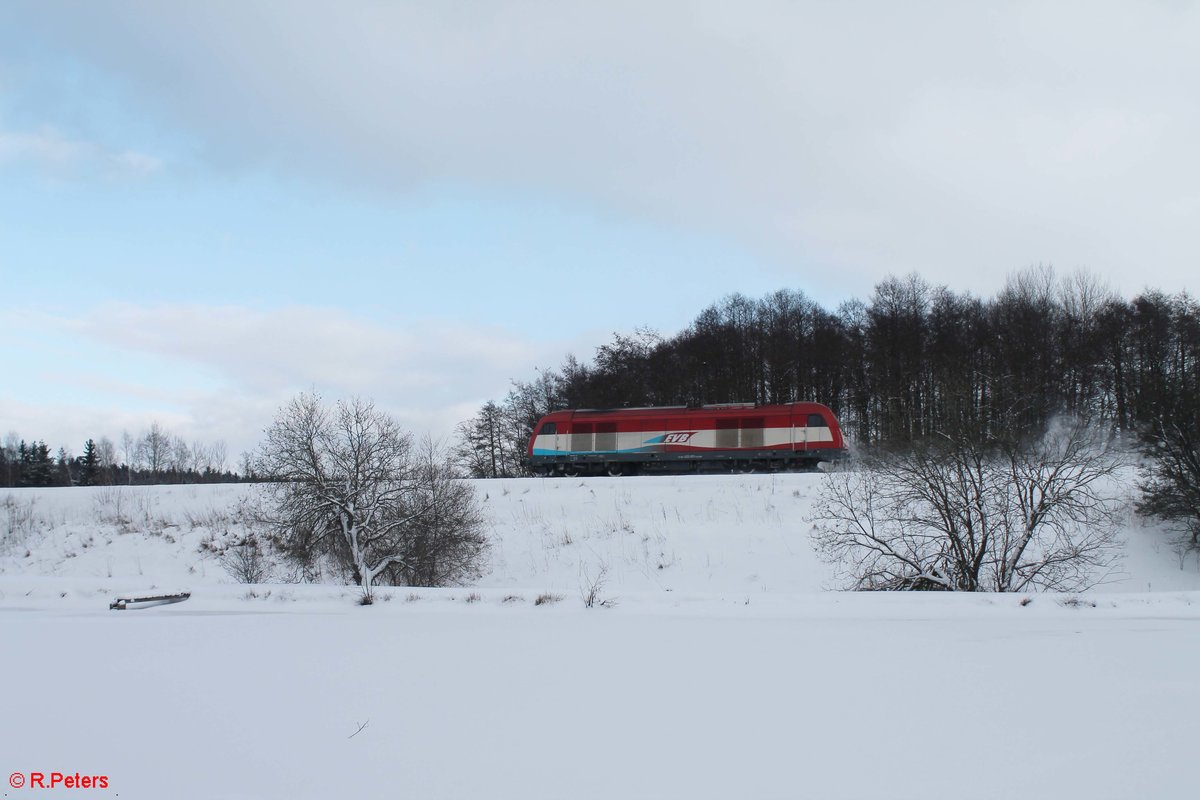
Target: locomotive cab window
[817, 421]
[549, 429]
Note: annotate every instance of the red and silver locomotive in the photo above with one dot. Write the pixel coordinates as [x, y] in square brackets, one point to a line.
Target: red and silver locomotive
[742, 437]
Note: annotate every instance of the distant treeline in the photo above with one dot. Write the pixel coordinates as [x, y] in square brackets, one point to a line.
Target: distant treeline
[911, 360]
[154, 457]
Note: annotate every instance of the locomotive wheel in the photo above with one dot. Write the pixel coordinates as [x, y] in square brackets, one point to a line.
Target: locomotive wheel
[615, 470]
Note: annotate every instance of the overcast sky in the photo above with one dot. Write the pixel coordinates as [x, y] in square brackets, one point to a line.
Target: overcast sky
[206, 207]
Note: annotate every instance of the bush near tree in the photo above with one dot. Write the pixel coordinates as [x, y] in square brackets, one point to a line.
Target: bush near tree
[347, 486]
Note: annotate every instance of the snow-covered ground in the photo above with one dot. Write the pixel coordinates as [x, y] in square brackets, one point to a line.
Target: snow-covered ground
[718, 667]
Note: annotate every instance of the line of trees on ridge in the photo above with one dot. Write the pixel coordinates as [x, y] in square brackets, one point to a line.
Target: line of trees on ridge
[911, 360]
[155, 456]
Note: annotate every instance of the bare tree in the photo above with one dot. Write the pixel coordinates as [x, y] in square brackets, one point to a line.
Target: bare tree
[487, 447]
[131, 451]
[216, 456]
[155, 448]
[346, 482]
[1170, 479]
[247, 465]
[179, 455]
[479, 440]
[106, 452]
[10, 450]
[969, 514]
[446, 542]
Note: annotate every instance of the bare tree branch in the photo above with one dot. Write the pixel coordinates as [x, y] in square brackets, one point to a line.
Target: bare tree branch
[968, 513]
[349, 482]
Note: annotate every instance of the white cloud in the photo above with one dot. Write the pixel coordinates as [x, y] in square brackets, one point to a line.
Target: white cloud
[48, 147]
[865, 137]
[131, 161]
[297, 346]
[220, 373]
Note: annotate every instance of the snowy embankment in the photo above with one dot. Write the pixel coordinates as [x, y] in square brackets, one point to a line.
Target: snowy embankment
[719, 667]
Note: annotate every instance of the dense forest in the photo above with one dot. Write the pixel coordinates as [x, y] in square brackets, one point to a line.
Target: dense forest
[911, 360]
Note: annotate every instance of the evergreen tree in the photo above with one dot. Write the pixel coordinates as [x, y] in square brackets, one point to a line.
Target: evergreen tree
[62, 469]
[89, 464]
[37, 467]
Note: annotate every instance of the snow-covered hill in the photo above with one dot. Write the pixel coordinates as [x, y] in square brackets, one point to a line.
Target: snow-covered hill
[719, 668]
[720, 535]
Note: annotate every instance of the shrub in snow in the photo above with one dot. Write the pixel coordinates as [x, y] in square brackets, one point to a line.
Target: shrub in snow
[970, 512]
[18, 521]
[246, 561]
[1170, 478]
[592, 584]
[348, 484]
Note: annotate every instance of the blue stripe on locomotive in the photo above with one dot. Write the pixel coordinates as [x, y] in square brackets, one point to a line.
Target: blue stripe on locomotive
[540, 452]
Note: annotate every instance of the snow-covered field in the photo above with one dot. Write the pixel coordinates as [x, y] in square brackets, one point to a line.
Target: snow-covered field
[719, 666]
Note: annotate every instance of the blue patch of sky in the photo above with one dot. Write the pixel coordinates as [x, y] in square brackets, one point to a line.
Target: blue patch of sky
[81, 234]
[451, 252]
